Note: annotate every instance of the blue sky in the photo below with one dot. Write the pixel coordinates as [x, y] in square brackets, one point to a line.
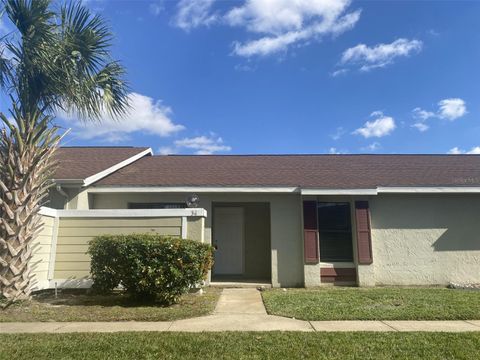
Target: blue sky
[305, 76]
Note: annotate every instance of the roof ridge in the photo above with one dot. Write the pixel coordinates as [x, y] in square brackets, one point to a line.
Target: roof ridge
[104, 147]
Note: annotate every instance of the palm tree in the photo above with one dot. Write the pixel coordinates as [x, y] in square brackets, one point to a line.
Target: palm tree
[54, 60]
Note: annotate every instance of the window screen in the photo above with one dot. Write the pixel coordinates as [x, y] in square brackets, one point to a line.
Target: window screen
[335, 231]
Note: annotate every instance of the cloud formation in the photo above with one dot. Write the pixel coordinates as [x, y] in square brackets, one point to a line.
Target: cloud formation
[200, 145]
[145, 115]
[382, 125]
[452, 109]
[457, 151]
[421, 126]
[448, 109]
[283, 23]
[275, 24]
[192, 14]
[372, 147]
[366, 58]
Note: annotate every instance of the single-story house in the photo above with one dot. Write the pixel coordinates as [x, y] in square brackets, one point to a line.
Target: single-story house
[285, 220]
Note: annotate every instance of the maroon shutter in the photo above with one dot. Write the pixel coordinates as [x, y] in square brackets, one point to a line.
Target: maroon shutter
[310, 232]
[364, 236]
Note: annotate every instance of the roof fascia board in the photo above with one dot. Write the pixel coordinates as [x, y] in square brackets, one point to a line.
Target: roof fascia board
[428, 190]
[268, 189]
[339, 191]
[189, 189]
[69, 182]
[94, 178]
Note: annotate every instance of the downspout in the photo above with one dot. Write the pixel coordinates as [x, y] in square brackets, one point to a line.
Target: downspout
[64, 194]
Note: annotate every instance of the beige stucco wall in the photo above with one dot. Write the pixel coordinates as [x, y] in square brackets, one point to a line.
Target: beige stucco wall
[72, 262]
[41, 249]
[425, 239]
[285, 224]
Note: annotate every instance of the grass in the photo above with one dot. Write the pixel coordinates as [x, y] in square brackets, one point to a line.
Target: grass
[80, 306]
[374, 304]
[231, 345]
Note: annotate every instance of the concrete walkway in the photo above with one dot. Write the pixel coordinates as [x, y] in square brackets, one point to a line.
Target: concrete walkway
[240, 310]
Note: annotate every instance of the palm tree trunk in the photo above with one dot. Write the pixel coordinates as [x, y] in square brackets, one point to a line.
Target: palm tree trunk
[26, 163]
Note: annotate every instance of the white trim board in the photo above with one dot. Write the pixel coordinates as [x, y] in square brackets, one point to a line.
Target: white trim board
[193, 189]
[339, 192]
[283, 190]
[429, 190]
[113, 213]
[46, 211]
[94, 178]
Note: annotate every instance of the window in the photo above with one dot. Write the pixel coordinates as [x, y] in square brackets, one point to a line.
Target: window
[335, 231]
[157, 205]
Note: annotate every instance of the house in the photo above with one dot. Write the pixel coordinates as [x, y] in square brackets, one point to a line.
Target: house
[285, 220]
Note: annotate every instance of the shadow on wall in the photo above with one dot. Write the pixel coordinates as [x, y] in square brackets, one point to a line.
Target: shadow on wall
[455, 217]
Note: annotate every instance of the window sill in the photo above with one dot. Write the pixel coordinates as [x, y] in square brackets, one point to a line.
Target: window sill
[339, 264]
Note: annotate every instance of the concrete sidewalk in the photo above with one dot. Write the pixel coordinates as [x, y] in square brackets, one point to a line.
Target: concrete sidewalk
[216, 323]
[240, 310]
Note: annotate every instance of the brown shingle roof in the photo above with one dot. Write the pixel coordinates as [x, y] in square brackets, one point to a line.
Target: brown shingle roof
[82, 162]
[307, 171]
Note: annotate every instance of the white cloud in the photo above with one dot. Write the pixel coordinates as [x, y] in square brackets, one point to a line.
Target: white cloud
[339, 132]
[456, 151]
[421, 126]
[155, 8]
[338, 72]
[167, 150]
[203, 145]
[283, 23]
[194, 13]
[381, 126]
[452, 109]
[421, 114]
[335, 151]
[372, 147]
[449, 109]
[145, 115]
[381, 55]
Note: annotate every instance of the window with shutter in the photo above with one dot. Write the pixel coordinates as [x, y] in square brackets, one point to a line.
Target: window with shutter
[335, 232]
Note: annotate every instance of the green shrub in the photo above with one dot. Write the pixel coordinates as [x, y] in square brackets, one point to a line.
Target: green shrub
[148, 266]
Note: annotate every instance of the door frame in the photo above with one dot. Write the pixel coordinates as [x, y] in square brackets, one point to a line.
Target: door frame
[229, 205]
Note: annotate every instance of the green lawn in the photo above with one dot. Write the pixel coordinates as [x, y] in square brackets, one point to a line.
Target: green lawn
[374, 303]
[79, 306]
[241, 346]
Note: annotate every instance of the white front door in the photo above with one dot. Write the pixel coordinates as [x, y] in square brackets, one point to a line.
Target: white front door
[229, 235]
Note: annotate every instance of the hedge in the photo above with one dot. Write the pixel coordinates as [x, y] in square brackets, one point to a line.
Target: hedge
[148, 266]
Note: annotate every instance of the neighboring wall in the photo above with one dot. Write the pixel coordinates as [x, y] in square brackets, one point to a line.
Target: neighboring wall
[41, 250]
[285, 224]
[75, 233]
[425, 239]
[60, 250]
